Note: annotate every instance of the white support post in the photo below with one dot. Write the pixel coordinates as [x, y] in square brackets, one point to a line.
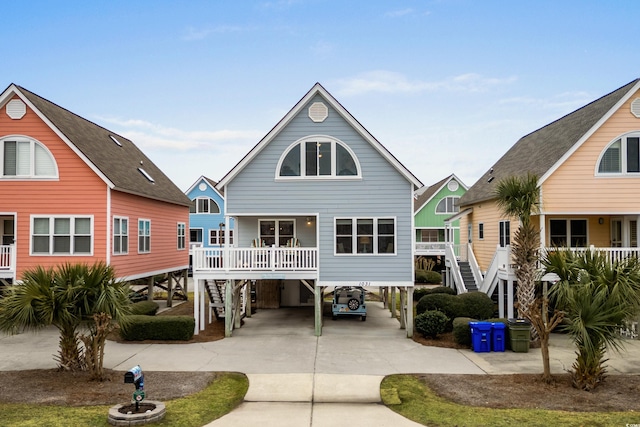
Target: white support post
[501, 298]
[403, 307]
[196, 306]
[510, 298]
[409, 312]
[228, 308]
[318, 292]
[201, 308]
[236, 303]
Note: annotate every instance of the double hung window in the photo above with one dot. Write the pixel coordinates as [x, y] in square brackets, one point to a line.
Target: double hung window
[365, 235]
[59, 235]
[144, 236]
[120, 235]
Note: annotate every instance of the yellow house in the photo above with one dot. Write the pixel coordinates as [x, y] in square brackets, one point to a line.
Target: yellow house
[588, 164]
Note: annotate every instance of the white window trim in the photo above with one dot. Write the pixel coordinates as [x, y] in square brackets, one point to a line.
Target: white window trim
[354, 236]
[201, 242]
[126, 250]
[32, 166]
[481, 227]
[198, 212]
[183, 236]
[623, 157]
[569, 233]
[321, 139]
[51, 235]
[277, 232]
[148, 250]
[507, 235]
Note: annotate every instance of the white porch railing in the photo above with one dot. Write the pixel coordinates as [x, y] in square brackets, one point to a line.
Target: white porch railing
[255, 259]
[454, 269]
[7, 259]
[614, 254]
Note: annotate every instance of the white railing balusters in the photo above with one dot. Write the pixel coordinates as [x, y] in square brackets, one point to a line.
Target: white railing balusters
[255, 259]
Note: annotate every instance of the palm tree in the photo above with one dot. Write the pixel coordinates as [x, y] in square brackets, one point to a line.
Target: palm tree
[65, 297]
[518, 196]
[597, 296]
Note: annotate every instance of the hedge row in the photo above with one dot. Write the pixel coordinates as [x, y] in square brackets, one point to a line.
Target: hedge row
[140, 327]
[421, 291]
[476, 305]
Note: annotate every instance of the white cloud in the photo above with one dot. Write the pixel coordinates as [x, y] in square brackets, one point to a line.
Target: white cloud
[193, 34]
[392, 82]
[566, 101]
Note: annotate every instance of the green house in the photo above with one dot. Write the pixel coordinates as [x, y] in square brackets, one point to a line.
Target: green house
[433, 205]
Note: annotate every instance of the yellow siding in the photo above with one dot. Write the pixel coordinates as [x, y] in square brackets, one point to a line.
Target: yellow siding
[574, 188]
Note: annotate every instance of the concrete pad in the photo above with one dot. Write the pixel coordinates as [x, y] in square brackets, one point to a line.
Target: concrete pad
[330, 388]
[280, 388]
[357, 415]
[267, 414]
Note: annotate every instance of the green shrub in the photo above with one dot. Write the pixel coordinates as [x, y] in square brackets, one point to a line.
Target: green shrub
[462, 331]
[431, 323]
[450, 305]
[145, 308]
[477, 305]
[419, 293]
[442, 290]
[421, 276]
[139, 328]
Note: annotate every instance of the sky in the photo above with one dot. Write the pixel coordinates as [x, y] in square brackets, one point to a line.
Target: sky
[447, 86]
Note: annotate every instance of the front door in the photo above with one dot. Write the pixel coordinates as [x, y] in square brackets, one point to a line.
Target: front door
[7, 230]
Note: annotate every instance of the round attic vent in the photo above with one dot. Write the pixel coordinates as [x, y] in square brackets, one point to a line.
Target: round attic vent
[318, 112]
[635, 107]
[453, 185]
[16, 109]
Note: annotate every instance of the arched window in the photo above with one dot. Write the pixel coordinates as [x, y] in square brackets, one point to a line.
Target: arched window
[318, 157]
[23, 157]
[204, 205]
[448, 205]
[622, 156]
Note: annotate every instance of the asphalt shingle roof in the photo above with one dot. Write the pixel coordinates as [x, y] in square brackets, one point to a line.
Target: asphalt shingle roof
[119, 164]
[538, 151]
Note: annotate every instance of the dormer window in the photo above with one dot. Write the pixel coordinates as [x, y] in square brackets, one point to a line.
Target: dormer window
[22, 157]
[318, 157]
[621, 156]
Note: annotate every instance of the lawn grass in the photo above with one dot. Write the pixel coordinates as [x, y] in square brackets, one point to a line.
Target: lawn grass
[412, 399]
[219, 398]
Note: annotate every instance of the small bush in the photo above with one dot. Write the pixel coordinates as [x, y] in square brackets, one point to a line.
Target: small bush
[441, 290]
[477, 305]
[419, 293]
[421, 276]
[431, 323]
[145, 308]
[433, 277]
[139, 328]
[462, 331]
[450, 305]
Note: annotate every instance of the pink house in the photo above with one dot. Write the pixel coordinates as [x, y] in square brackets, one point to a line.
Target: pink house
[72, 191]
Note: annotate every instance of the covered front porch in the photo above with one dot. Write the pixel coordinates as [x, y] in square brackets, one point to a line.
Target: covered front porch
[7, 264]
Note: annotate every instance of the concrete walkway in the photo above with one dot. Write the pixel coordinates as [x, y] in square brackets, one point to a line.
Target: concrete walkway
[298, 379]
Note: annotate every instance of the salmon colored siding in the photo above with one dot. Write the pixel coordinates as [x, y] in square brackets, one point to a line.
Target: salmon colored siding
[79, 191]
[164, 255]
[574, 188]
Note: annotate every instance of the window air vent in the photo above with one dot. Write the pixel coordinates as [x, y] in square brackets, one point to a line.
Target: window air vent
[318, 112]
[16, 109]
[635, 107]
[146, 175]
[114, 139]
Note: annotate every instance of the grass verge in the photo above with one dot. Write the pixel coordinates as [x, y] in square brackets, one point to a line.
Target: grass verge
[412, 399]
[217, 399]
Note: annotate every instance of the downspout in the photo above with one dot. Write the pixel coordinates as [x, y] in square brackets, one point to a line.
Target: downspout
[108, 219]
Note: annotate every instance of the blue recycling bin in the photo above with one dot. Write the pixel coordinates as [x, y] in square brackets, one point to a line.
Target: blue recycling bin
[498, 336]
[480, 336]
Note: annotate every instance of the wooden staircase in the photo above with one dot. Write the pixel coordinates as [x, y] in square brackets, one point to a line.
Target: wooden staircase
[215, 291]
[467, 276]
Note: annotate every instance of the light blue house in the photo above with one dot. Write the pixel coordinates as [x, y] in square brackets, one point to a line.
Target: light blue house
[206, 215]
[317, 203]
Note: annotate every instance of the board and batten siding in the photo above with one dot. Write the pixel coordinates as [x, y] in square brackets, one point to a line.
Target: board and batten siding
[77, 192]
[382, 192]
[575, 188]
[164, 255]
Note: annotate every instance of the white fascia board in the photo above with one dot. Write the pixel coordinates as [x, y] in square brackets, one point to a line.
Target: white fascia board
[589, 133]
[15, 90]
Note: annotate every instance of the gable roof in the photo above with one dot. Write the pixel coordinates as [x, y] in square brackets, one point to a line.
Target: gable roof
[543, 151]
[426, 196]
[315, 90]
[117, 165]
[209, 182]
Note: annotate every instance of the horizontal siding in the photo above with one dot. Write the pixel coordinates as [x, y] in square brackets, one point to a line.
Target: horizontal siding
[164, 217]
[575, 188]
[78, 191]
[207, 221]
[382, 191]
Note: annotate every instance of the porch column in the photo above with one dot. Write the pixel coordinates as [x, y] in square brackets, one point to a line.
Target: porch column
[409, 312]
[196, 306]
[202, 309]
[393, 302]
[543, 232]
[403, 306]
[510, 298]
[500, 299]
[237, 301]
[318, 291]
[228, 308]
